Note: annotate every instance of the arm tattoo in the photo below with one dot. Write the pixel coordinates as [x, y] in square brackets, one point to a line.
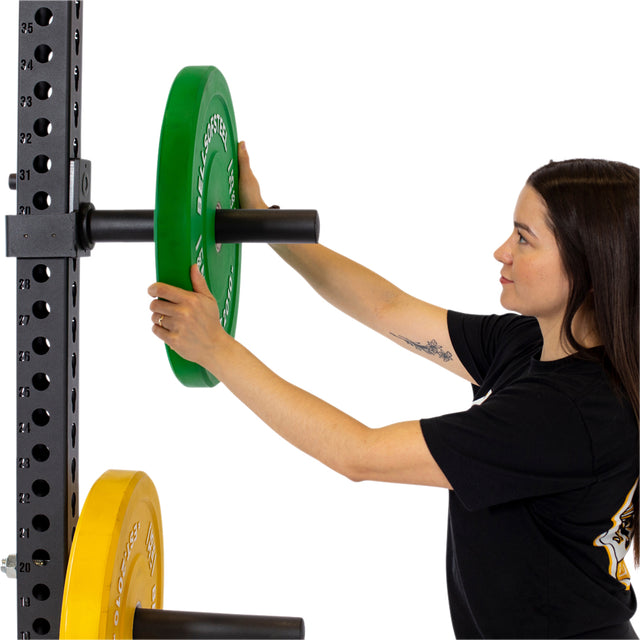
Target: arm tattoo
[431, 348]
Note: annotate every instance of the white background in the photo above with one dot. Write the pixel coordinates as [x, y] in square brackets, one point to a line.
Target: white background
[411, 128]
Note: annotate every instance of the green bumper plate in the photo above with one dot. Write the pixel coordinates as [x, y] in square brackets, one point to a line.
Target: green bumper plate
[197, 173]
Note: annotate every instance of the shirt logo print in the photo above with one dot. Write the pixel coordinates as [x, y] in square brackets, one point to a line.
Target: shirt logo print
[616, 540]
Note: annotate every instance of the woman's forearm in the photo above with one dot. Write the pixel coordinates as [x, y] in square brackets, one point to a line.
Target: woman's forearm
[395, 453]
[347, 285]
[307, 422]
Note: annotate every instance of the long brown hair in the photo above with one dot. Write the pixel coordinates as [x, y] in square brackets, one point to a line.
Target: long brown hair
[593, 212]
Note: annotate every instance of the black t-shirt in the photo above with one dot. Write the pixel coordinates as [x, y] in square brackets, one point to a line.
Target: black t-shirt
[543, 468]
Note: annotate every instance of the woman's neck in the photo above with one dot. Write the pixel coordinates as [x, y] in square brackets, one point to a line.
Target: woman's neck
[556, 346]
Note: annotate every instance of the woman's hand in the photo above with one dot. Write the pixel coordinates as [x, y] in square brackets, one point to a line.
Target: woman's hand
[250, 197]
[188, 321]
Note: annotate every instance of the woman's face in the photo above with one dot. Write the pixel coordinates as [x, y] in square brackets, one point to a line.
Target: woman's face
[534, 282]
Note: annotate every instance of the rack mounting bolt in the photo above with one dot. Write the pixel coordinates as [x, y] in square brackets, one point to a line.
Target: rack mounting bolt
[9, 565]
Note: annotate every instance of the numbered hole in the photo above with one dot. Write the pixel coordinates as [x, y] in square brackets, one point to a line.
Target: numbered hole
[42, 127]
[74, 433]
[40, 488]
[40, 523]
[41, 381]
[41, 200]
[41, 273]
[41, 417]
[40, 453]
[74, 466]
[43, 53]
[74, 400]
[74, 365]
[44, 17]
[41, 309]
[40, 557]
[74, 330]
[42, 163]
[41, 592]
[42, 90]
[74, 503]
[41, 626]
[41, 345]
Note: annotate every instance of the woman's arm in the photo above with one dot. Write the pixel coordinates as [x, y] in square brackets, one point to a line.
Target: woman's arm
[416, 325]
[362, 294]
[397, 453]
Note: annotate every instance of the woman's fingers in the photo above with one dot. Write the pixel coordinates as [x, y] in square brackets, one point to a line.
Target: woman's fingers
[162, 320]
[172, 302]
[167, 292]
[161, 332]
[176, 294]
[162, 306]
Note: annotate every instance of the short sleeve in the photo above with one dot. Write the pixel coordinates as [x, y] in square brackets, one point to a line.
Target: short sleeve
[479, 340]
[528, 440]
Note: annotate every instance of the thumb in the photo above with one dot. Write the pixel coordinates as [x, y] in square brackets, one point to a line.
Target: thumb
[198, 281]
[250, 197]
[243, 156]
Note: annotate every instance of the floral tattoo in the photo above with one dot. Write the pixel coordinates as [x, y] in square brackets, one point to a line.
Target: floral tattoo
[431, 348]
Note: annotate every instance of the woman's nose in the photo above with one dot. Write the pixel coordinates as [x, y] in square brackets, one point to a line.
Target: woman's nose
[503, 253]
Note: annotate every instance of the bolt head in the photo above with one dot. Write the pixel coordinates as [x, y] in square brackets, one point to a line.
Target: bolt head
[9, 565]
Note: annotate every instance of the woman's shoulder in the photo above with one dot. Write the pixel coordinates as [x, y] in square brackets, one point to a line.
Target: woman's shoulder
[495, 328]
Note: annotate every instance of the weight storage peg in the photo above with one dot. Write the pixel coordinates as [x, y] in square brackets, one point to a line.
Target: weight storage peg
[161, 624]
[114, 582]
[68, 235]
[230, 226]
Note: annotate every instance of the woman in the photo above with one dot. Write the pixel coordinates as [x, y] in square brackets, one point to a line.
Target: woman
[543, 468]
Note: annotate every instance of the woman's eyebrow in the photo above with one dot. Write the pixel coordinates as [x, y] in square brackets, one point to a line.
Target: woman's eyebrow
[521, 225]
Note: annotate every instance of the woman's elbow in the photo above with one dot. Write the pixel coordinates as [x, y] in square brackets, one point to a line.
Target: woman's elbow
[361, 465]
[355, 474]
[354, 465]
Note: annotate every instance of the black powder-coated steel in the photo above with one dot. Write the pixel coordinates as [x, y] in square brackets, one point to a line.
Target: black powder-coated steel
[162, 624]
[231, 226]
[47, 303]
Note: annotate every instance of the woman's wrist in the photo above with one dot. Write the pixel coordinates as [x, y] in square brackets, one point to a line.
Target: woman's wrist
[218, 353]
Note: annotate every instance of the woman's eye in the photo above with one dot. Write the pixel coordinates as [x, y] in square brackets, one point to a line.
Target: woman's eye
[521, 239]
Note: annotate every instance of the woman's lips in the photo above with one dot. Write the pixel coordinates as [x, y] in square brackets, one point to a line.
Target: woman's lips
[504, 280]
